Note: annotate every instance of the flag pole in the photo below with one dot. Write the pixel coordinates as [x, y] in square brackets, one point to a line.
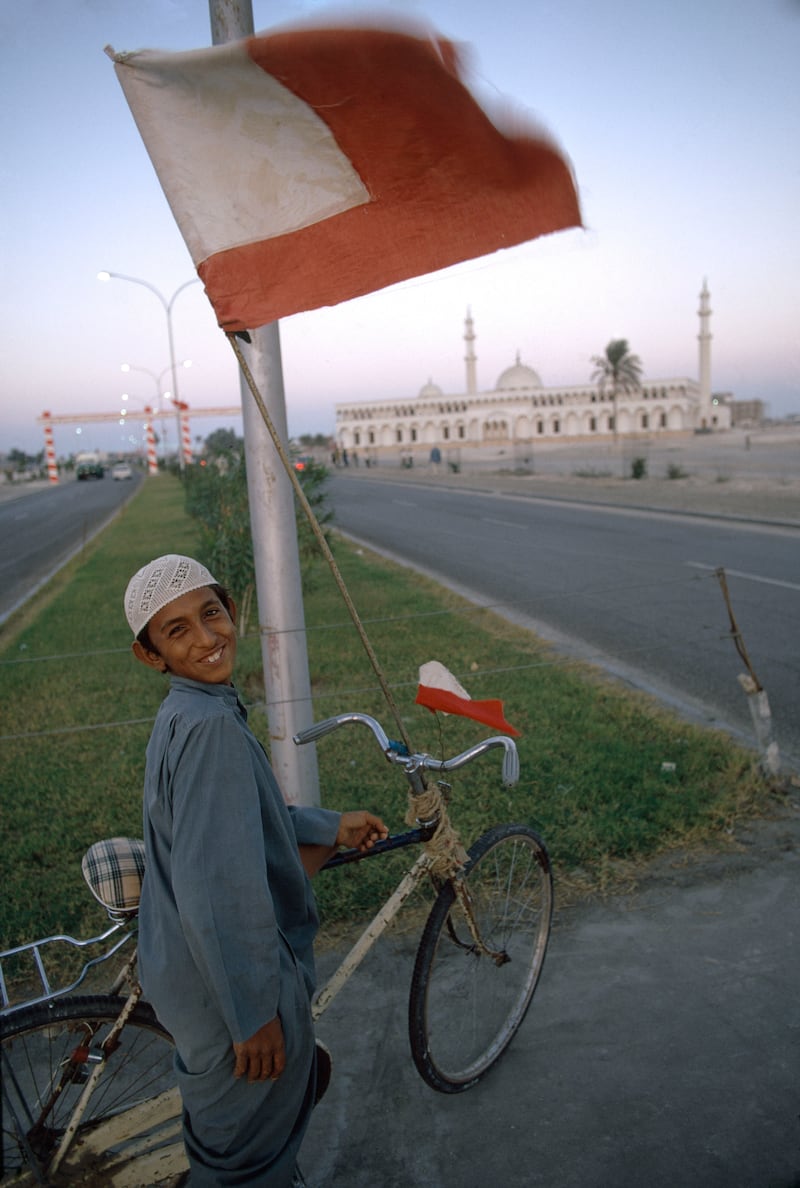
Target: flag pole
[272, 522]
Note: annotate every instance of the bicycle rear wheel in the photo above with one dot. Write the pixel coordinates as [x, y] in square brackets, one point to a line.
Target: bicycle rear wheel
[466, 1006]
[48, 1053]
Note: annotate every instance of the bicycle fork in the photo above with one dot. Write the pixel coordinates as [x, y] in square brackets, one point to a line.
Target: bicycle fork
[436, 804]
[498, 956]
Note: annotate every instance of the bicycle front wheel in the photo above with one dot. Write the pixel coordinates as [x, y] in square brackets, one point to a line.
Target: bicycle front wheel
[48, 1053]
[466, 1004]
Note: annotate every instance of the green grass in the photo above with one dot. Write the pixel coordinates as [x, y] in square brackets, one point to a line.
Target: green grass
[77, 710]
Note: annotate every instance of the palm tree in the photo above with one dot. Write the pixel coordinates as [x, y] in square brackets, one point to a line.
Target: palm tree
[617, 371]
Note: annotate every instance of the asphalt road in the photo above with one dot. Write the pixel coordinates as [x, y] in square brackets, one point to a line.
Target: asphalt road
[632, 591]
[41, 529]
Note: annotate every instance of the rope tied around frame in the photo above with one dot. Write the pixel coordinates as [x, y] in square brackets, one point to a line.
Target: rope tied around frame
[445, 851]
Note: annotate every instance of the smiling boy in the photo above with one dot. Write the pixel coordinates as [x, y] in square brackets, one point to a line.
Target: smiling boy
[227, 917]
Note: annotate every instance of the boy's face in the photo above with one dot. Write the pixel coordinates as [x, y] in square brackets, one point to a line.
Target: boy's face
[194, 637]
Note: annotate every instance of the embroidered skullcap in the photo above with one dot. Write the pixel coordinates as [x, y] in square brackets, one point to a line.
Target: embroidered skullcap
[159, 583]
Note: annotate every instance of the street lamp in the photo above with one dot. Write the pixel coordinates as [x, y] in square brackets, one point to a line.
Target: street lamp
[159, 394]
[167, 307]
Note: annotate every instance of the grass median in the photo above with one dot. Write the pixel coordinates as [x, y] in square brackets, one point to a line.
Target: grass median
[607, 777]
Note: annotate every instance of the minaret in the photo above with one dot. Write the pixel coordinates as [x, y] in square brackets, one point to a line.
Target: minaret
[470, 358]
[704, 338]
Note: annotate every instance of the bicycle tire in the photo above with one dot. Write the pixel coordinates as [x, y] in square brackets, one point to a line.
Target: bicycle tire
[465, 1007]
[48, 1050]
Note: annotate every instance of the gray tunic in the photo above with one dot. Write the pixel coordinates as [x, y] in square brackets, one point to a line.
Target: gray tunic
[226, 928]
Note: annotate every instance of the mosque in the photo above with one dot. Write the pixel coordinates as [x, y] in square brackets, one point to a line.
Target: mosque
[519, 412]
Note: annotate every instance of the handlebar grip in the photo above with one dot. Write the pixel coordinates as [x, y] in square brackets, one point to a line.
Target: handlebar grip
[312, 733]
[510, 766]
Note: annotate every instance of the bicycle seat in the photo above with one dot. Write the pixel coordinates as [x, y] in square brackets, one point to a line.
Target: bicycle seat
[114, 870]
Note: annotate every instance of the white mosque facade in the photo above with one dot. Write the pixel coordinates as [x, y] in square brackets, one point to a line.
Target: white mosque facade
[520, 412]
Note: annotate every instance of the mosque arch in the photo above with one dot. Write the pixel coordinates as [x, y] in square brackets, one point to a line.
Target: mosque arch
[624, 422]
[675, 419]
[522, 428]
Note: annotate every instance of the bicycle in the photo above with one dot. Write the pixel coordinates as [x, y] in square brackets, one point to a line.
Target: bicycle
[102, 1108]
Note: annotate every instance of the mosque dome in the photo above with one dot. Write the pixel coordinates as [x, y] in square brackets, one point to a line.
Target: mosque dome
[518, 376]
[430, 391]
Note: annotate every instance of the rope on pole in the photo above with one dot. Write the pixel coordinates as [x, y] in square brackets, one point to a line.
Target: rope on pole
[757, 699]
[736, 635]
[320, 537]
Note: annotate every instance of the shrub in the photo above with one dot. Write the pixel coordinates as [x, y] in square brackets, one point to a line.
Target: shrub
[216, 496]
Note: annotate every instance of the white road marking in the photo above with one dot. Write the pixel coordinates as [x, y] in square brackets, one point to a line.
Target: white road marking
[503, 523]
[750, 577]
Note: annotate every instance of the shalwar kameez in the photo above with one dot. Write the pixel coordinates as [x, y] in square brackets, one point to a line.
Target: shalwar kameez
[226, 928]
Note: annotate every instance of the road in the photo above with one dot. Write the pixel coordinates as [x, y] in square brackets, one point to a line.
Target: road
[632, 591]
[41, 529]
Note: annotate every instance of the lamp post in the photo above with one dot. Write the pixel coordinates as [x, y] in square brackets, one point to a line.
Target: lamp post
[167, 307]
[159, 394]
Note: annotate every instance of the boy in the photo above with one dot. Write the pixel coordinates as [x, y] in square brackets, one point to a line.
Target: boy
[227, 916]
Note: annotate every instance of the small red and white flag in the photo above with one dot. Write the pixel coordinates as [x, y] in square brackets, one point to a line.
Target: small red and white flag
[439, 690]
[312, 165]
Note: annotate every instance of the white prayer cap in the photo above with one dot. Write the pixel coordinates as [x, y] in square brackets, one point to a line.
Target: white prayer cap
[160, 582]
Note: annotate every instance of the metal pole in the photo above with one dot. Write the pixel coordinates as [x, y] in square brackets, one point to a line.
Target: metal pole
[176, 396]
[272, 521]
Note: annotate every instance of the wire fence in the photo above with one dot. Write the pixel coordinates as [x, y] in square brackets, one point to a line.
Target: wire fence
[514, 610]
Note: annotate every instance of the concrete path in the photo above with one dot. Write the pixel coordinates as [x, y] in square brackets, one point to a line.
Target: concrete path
[662, 1047]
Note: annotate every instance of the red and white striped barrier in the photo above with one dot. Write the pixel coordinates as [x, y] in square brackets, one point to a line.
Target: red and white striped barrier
[186, 435]
[50, 449]
[152, 457]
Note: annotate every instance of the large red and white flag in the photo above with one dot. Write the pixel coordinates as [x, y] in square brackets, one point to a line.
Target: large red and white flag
[312, 165]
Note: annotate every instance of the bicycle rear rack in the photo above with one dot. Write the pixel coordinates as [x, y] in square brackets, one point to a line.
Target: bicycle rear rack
[27, 964]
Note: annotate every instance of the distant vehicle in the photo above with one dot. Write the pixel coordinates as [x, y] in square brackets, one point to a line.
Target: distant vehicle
[121, 470]
[303, 463]
[89, 470]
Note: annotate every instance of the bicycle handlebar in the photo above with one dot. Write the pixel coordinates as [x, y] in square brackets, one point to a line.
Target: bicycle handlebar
[397, 753]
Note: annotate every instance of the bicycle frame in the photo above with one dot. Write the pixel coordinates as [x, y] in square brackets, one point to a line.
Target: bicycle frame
[383, 917]
[414, 767]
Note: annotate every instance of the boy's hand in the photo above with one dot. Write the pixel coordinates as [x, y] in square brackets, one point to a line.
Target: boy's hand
[263, 1055]
[360, 830]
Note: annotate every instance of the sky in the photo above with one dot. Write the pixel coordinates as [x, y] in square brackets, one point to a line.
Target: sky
[681, 124]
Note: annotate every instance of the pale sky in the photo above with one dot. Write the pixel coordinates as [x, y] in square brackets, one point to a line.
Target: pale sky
[681, 124]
